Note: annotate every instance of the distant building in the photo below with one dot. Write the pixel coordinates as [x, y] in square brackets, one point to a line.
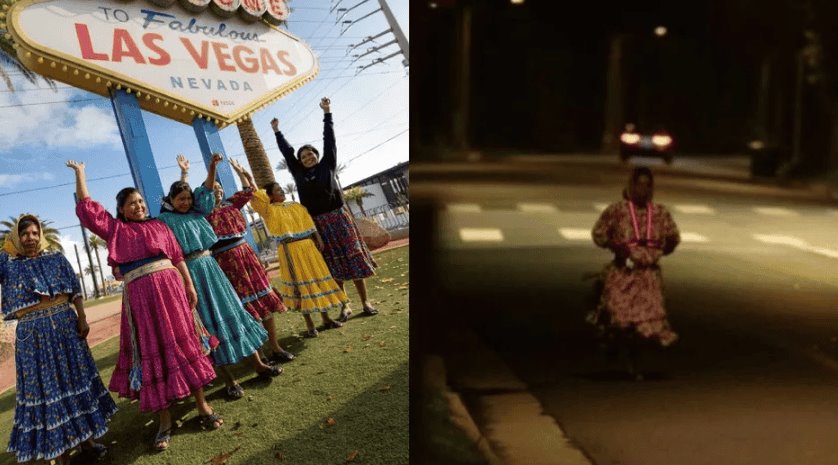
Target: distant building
[388, 188]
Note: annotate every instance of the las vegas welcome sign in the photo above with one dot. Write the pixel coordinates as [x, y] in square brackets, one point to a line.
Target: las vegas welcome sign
[181, 60]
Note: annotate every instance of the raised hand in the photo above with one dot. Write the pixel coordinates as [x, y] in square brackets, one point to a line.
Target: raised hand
[216, 159]
[275, 124]
[324, 104]
[183, 162]
[76, 166]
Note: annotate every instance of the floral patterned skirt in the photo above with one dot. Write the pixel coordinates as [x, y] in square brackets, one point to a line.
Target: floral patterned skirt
[61, 400]
[633, 299]
[345, 252]
[249, 278]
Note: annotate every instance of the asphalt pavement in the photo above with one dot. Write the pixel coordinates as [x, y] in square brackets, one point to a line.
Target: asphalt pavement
[751, 291]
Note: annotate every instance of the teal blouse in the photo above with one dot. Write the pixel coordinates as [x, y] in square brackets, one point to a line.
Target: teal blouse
[192, 230]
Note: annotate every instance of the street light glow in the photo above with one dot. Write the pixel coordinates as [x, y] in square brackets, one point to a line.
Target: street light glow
[517, 2]
[660, 31]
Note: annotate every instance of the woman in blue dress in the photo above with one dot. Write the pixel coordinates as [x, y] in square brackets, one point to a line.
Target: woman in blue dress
[61, 402]
[239, 335]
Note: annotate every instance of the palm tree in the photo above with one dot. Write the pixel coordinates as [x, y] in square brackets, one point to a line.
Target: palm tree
[257, 158]
[291, 188]
[52, 235]
[8, 59]
[95, 242]
[282, 165]
[90, 269]
[357, 194]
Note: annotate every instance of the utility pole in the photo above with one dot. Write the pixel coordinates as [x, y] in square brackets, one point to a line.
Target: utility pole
[89, 256]
[614, 98]
[397, 31]
[81, 272]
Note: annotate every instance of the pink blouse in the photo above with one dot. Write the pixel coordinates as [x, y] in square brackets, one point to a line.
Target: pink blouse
[128, 241]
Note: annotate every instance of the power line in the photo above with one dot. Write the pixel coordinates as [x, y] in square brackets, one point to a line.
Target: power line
[50, 103]
[375, 147]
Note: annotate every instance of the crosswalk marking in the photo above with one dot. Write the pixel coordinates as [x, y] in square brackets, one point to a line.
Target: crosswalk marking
[575, 234]
[695, 209]
[824, 251]
[693, 237]
[600, 206]
[775, 211]
[481, 235]
[537, 208]
[464, 207]
[781, 240]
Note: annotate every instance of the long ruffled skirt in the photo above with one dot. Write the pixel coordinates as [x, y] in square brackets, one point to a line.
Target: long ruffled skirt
[306, 284]
[239, 334]
[61, 400]
[173, 364]
[249, 278]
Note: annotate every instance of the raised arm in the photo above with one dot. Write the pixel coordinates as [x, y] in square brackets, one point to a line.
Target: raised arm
[211, 169]
[244, 176]
[294, 165]
[183, 162]
[330, 147]
[81, 180]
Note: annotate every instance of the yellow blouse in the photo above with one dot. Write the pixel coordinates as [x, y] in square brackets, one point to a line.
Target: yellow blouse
[285, 221]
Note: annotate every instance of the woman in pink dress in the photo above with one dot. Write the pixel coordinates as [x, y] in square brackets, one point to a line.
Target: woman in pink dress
[638, 232]
[238, 261]
[162, 346]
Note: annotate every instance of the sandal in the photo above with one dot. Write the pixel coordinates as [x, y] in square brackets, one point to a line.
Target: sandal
[97, 450]
[332, 324]
[210, 421]
[370, 311]
[271, 372]
[311, 333]
[345, 311]
[162, 440]
[235, 391]
[282, 356]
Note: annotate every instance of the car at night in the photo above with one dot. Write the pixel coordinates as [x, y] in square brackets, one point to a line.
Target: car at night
[634, 142]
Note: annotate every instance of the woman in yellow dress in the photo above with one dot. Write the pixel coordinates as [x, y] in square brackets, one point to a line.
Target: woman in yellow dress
[307, 285]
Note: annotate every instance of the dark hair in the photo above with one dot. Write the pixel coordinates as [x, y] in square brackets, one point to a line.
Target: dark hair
[269, 187]
[178, 187]
[121, 198]
[26, 221]
[307, 146]
[642, 171]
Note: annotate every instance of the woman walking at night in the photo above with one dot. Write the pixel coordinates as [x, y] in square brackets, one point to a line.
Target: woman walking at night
[638, 232]
[345, 252]
[219, 307]
[61, 402]
[238, 260]
[162, 346]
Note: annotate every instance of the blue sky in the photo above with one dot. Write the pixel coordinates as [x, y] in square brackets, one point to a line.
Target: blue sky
[41, 129]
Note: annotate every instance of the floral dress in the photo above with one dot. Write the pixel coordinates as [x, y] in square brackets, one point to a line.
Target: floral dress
[239, 262]
[219, 307]
[632, 296]
[307, 286]
[60, 400]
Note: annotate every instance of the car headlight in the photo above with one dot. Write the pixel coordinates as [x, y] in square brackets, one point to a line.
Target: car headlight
[629, 138]
[661, 140]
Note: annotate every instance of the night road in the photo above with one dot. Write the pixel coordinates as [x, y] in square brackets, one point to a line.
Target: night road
[751, 291]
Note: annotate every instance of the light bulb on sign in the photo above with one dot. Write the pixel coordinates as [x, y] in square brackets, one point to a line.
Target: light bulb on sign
[660, 31]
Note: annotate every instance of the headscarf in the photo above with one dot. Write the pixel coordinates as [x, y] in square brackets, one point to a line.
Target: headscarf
[13, 245]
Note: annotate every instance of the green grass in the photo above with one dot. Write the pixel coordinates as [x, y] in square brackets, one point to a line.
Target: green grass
[356, 375]
[94, 302]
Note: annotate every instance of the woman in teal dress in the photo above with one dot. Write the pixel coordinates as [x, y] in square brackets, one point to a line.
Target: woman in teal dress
[239, 335]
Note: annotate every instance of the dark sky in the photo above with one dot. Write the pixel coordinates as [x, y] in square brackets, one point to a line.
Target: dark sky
[539, 71]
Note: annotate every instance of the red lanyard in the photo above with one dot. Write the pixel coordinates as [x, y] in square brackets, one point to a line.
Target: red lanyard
[636, 227]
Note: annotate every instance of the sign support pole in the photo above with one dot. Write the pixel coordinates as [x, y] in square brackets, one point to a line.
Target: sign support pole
[129, 118]
[210, 142]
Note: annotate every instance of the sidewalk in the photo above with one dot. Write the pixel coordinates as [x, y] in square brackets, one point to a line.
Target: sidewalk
[104, 322]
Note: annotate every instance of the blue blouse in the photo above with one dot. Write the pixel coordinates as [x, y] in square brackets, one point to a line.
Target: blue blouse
[25, 279]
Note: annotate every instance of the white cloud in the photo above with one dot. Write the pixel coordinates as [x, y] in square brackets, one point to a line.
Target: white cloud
[39, 117]
[11, 180]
